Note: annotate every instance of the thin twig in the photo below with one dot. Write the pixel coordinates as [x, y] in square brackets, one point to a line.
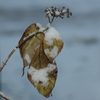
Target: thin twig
[4, 63]
[3, 96]
[49, 19]
[53, 19]
[18, 46]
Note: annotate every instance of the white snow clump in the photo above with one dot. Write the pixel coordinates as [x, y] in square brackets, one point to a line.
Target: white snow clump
[27, 58]
[41, 75]
[41, 29]
[51, 34]
[53, 53]
[29, 35]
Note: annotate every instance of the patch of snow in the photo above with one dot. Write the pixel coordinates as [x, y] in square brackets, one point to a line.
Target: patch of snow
[52, 53]
[50, 42]
[41, 74]
[41, 29]
[38, 25]
[51, 34]
[29, 35]
[27, 58]
[57, 12]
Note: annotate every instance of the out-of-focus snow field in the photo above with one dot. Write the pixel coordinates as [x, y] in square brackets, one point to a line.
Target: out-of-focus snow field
[79, 61]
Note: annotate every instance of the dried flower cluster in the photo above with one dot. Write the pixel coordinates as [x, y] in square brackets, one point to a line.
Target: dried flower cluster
[55, 12]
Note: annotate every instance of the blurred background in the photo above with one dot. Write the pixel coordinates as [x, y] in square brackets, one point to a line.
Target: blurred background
[79, 61]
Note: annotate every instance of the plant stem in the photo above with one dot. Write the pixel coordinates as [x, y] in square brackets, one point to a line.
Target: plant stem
[4, 63]
[18, 46]
[12, 52]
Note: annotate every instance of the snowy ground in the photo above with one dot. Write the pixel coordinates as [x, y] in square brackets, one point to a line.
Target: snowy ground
[79, 61]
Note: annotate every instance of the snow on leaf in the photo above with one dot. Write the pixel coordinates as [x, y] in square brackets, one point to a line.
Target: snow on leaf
[53, 52]
[41, 29]
[29, 36]
[52, 33]
[27, 58]
[43, 79]
[41, 74]
[53, 43]
[38, 52]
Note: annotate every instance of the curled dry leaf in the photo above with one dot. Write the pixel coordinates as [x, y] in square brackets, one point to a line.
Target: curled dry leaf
[28, 49]
[39, 52]
[53, 43]
[44, 78]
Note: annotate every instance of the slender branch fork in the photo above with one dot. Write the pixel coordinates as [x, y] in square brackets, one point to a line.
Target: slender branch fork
[55, 12]
[4, 63]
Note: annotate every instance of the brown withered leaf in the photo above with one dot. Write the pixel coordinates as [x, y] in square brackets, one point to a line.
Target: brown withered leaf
[39, 56]
[43, 79]
[32, 50]
[53, 50]
[26, 48]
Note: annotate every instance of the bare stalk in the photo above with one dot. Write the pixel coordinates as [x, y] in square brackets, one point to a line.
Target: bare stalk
[12, 52]
[49, 19]
[4, 63]
[53, 19]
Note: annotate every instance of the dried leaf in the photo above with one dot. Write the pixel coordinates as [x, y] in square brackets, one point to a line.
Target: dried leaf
[53, 50]
[43, 79]
[28, 49]
[39, 55]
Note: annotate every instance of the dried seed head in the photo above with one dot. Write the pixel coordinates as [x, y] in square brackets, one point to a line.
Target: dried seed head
[55, 12]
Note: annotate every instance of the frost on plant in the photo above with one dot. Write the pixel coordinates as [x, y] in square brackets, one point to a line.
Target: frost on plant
[39, 46]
